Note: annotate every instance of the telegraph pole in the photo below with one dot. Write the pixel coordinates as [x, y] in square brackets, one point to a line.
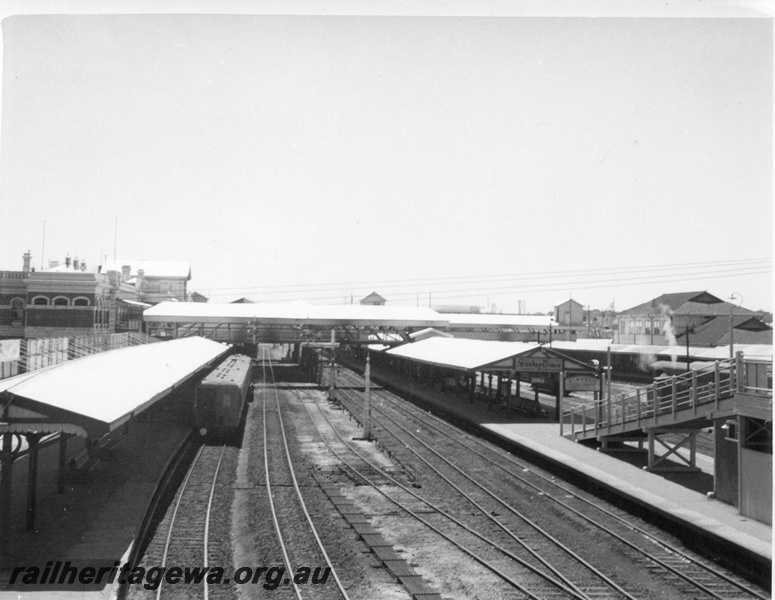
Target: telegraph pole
[367, 400]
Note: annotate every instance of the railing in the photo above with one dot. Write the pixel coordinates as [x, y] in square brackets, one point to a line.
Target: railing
[14, 275]
[33, 354]
[677, 396]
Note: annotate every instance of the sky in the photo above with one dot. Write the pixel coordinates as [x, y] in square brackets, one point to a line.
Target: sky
[490, 154]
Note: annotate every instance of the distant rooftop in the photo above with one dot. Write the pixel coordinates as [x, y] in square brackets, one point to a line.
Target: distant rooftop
[151, 268]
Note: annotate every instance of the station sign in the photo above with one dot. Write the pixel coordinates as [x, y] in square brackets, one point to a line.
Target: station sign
[527, 364]
[581, 383]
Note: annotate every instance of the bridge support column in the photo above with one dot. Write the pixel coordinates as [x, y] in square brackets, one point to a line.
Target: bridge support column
[658, 462]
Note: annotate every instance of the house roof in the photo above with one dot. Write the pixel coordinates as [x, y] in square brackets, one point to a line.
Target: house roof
[574, 301]
[687, 303]
[373, 297]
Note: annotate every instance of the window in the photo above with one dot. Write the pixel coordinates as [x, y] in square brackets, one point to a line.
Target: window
[61, 301]
[80, 302]
[17, 309]
[40, 301]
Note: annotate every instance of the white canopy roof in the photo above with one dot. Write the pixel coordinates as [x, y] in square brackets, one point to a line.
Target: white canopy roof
[458, 320]
[461, 353]
[99, 392]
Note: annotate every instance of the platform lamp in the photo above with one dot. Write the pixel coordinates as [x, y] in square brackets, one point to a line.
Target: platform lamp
[734, 297]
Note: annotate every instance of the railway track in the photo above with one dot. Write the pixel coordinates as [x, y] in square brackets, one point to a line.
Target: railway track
[519, 574]
[292, 523]
[432, 440]
[184, 536]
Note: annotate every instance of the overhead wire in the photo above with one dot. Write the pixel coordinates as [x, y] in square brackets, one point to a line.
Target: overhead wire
[429, 281]
[526, 286]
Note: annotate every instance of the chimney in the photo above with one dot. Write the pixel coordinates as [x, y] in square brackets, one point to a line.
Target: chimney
[67, 261]
[27, 257]
[76, 266]
[126, 272]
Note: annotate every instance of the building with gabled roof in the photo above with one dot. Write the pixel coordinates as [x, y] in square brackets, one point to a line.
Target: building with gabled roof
[373, 299]
[665, 318]
[569, 312]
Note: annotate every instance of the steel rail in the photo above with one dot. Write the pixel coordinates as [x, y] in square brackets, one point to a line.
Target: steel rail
[559, 585]
[174, 514]
[207, 519]
[339, 583]
[640, 530]
[283, 547]
[595, 571]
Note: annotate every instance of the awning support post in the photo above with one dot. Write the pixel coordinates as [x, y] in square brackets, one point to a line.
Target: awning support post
[32, 478]
[62, 463]
[6, 480]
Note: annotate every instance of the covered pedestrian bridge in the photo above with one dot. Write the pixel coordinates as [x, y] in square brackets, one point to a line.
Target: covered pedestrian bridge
[351, 324]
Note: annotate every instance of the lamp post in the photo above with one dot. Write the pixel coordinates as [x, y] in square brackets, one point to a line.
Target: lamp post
[734, 297]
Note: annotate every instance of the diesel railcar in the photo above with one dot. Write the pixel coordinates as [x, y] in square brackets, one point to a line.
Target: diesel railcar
[221, 396]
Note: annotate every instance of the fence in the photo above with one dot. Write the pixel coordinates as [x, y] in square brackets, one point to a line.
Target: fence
[22, 356]
[670, 396]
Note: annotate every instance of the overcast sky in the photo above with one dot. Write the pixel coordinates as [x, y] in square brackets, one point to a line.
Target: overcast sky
[453, 158]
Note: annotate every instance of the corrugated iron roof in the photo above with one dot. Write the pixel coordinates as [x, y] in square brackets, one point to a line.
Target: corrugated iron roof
[491, 320]
[686, 303]
[99, 392]
[461, 353]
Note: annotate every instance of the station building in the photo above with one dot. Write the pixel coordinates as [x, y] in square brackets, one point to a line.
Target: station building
[67, 299]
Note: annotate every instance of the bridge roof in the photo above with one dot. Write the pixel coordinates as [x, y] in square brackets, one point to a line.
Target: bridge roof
[94, 395]
[301, 314]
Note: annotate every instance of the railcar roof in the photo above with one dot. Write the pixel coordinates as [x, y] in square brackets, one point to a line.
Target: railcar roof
[228, 371]
[95, 394]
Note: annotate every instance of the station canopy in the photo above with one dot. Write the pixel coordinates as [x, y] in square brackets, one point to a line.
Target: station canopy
[94, 395]
[499, 321]
[295, 314]
[463, 353]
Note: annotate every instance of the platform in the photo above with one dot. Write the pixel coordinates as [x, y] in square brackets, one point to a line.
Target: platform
[669, 495]
[93, 523]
